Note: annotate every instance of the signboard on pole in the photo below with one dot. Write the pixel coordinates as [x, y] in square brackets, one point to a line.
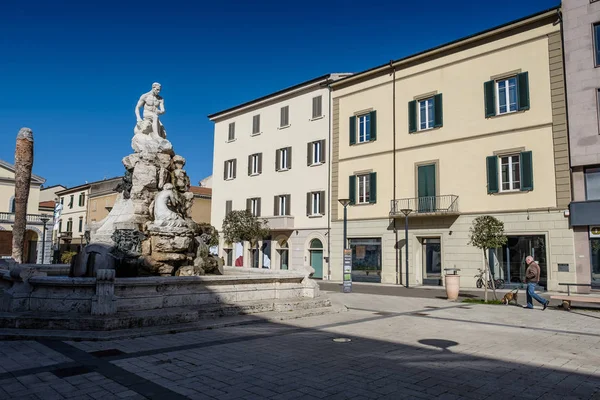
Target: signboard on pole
[347, 286]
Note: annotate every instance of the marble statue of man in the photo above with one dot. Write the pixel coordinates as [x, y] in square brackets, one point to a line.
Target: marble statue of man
[154, 105]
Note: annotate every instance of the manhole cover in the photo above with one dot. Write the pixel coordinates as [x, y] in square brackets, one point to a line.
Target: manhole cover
[342, 340]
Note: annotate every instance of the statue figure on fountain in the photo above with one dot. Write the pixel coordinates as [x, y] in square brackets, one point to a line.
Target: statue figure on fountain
[149, 132]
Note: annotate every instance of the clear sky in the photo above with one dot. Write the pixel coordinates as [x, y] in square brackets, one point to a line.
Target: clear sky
[74, 70]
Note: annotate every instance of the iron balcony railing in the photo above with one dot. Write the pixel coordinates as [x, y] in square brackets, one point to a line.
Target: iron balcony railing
[447, 204]
[31, 218]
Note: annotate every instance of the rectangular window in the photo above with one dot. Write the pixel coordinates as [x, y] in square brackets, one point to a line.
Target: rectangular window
[316, 153]
[228, 206]
[366, 259]
[284, 119]
[283, 159]
[364, 128]
[316, 203]
[510, 172]
[229, 169]
[62, 201]
[81, 199]
[70, 226]
[426, 114]
[80, 224]
[597, 44]
[60, 226]
[364, 195]
[254, 166]
[508, 263]
[231, 134]
[94, 205]
[71, 199]
[592, 184]
[282, 205]
[317, 107]
[229, 257]
[506, 95]
[256, 124]
[255, 207]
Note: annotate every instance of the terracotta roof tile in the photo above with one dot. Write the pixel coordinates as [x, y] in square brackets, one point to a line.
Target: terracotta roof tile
[203, 191]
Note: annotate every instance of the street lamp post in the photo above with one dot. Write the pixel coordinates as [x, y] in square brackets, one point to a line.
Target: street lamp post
[345, 203]
[346, 259]
[44, 218]
[406, 212]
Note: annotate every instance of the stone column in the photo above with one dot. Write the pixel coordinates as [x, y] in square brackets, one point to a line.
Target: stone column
[23, 166]
[104, 301]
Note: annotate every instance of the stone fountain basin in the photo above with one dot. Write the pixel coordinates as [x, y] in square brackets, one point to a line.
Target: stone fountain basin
[62, 295]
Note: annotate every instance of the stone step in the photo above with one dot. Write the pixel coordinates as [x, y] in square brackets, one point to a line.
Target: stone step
[322, 307]
[152, 318]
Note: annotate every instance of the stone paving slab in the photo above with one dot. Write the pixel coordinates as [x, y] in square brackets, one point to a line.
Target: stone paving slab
[400, 348]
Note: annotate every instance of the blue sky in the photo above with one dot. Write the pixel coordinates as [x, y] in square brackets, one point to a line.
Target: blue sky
[73, 71]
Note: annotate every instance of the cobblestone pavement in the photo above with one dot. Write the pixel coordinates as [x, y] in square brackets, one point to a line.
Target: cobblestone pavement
[400, 348]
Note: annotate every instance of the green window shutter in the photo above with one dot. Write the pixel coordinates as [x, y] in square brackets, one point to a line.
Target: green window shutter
[489, 89]
[373, 122]
[412, 116]
[308, 201]
[492, 174]
[438, 115]
[352, 189]
[526, 166]
[373, 187]
[523, 91]
[352, 130]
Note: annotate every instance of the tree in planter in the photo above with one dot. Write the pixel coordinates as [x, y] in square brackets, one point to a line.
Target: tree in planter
[487, 233]
[242, 226]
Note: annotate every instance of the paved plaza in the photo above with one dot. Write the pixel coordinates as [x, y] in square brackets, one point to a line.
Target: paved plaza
[400, 347]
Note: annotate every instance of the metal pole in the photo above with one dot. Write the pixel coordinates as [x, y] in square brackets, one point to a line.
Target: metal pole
[406, 245]
[345, 226]
[43, 242]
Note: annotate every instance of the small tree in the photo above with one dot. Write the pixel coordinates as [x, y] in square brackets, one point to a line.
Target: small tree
[242, 226]
[487, 233]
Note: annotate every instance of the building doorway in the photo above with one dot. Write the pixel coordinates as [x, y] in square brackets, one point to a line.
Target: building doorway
[595, 260]
[284, 255]
[30, 251]
[426, 188]
[432, 261]
[316, 258]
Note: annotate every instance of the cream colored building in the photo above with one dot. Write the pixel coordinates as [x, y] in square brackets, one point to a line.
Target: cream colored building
[474, 127]
[73, 217]
[271, 156]
[35, 225]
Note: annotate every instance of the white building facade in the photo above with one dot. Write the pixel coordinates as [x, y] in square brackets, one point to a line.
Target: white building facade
[271, 156]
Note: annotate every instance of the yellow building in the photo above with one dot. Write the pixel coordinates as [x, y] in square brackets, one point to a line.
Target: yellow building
[37, 213]
[474, 127]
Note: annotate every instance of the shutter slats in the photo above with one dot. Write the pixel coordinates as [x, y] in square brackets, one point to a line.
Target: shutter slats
[225, 170]
[260, 163]
[373, 187]
[258, 201]
[492, 174]
[373, 122]
[352, 128]
[276, 205]
[523, 91]
[289, 158]
[228, 207]
[288, 204]
[412, 116]
[322, 203]
[249, 205]
[234, 168]
[309, 154]
[490, 98]
[308, 203]
[277, 159]
[323, 151]
[250, 165]
[526, 166]
[438, 114]
[352, 189]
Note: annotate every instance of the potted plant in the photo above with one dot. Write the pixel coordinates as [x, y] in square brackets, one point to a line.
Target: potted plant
[452, 283]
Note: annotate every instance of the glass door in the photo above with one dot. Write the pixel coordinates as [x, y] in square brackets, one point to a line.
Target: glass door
[432, 261]
[595, 260]
[426, 188]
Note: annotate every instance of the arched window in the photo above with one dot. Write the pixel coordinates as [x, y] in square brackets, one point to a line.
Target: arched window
[316, 244]
[13, 205]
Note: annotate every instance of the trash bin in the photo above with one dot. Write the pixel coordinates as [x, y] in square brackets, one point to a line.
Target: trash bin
[452, 283]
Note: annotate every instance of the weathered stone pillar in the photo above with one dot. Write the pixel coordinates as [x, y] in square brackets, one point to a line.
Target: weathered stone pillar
[23, 166]
[104, 301]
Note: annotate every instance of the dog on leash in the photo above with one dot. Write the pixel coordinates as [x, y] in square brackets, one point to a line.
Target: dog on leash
[510, 296]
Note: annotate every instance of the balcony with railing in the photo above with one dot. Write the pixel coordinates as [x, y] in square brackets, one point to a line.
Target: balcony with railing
[33, 219]
[429, 205]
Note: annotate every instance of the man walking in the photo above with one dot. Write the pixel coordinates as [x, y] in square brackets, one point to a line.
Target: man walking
[532, 277]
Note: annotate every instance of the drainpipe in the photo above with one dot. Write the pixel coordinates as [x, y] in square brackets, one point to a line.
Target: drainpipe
[330, 121]
[394, 167]
[562, 41]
